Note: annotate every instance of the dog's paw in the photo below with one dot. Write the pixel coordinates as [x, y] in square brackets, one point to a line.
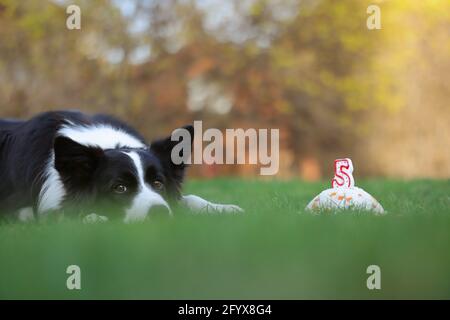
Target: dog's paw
[94, 218]
[225, 208]
[200, 205]
[25, 215]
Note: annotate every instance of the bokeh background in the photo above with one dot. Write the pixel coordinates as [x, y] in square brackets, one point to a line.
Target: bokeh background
[308, 67]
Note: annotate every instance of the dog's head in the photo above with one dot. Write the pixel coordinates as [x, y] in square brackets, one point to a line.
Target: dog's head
[125, 181]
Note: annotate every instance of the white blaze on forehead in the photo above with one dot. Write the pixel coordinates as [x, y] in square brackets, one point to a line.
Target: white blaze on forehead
[101, 135]
[145, 198]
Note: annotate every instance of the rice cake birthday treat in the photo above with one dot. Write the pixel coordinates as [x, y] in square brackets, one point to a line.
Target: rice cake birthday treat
[344, 194]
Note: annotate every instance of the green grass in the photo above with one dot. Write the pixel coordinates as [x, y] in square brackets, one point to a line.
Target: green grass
[273, 251]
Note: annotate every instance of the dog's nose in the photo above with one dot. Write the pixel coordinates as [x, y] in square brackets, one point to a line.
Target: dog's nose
[160, 210]
[147, 204]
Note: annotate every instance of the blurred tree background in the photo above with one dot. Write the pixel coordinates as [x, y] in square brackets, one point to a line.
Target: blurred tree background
[308, 67]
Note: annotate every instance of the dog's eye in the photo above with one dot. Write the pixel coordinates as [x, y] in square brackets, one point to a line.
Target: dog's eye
[158, 185]
[120, 189]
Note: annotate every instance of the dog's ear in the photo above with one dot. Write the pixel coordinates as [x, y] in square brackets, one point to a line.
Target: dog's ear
[182, 149]
[75, 162]
[163, 147]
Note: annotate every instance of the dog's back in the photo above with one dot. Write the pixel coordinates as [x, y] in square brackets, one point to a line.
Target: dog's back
[7, 124]
[7, 128]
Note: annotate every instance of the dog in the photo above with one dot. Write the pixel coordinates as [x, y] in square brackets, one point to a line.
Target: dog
[68, 161]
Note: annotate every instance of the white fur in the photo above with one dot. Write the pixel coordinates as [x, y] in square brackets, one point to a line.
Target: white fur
[101, 135]
[146, 197]
[201, 205]
[52, 192]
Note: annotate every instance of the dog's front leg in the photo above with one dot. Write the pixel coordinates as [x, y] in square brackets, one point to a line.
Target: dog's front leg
[198, 204]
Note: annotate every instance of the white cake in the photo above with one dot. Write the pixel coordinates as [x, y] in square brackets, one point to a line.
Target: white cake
[345, 198]
[344, 194]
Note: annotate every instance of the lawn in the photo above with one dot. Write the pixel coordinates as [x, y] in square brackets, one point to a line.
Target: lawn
[273, 251]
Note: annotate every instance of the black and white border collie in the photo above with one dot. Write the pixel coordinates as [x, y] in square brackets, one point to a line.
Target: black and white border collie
[67, 161]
